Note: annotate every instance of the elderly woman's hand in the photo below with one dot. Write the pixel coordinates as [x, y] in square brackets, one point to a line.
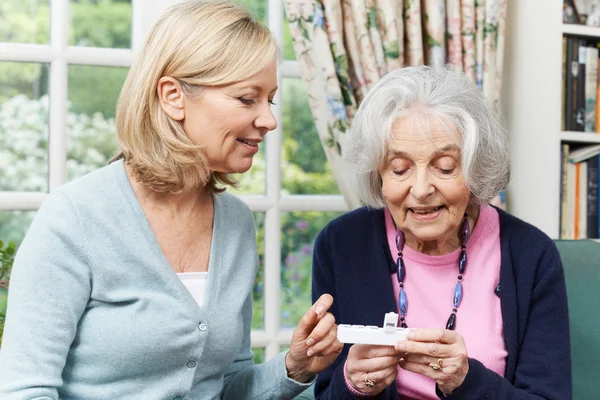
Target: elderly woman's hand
[370, 369]
[440, 354]
[314, 344]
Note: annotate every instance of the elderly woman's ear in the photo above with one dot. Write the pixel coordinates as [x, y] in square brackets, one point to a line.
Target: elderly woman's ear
[171, 97]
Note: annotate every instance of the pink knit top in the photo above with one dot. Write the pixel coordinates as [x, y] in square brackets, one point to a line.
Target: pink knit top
[429, 286]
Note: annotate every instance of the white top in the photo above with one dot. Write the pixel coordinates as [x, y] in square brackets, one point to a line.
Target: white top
[195, 282]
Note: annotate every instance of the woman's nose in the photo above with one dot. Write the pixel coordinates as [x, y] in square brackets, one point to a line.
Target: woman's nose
[421, 185]
[265, 118]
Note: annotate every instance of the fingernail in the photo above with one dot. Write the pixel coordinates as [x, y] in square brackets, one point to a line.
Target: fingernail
[400, 346]
[411, 336]
[319, 310]
[310, 352]
[310, 342]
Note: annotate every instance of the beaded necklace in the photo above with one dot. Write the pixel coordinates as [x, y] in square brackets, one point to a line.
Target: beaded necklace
[458, 290]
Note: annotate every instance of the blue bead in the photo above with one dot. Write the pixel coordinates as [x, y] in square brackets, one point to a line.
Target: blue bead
[462, 261]
[401, 270]
[465, 230]
[458, 293]
[402, 303]
[451, 322]
[399, 240]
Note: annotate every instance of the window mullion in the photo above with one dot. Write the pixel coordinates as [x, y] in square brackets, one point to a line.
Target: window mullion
[57, 147]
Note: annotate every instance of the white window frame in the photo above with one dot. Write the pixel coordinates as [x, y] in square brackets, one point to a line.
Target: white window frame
[144, 12]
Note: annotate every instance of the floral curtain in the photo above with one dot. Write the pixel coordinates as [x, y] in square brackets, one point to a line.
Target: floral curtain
[345, 46]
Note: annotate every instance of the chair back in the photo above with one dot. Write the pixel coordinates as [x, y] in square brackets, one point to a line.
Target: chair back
[581, 262]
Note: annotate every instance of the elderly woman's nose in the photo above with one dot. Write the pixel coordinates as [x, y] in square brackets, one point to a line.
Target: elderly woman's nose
[421, 184]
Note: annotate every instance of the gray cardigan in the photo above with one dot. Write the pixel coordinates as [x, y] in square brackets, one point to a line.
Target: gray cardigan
[96, 312]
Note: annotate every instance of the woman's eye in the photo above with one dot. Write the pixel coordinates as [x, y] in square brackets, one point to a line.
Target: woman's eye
[271, 102]
[399, 172]
[247, 102]
[446, 171]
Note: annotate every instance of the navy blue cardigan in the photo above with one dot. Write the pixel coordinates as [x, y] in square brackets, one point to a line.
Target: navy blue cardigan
[352, 262]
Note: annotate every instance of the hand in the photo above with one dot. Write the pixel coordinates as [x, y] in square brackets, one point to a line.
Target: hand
[314, 344]
[378, 364]
[426, 347]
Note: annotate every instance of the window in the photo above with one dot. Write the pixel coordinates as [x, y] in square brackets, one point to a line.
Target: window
[62, 64]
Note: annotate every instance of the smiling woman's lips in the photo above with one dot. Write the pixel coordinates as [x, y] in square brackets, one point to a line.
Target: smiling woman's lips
[426, 216]
[250, 148]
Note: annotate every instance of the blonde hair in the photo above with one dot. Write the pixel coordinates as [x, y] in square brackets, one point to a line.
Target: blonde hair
[199, 43]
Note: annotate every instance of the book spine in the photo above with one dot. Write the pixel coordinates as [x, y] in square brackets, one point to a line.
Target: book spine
[570, 83]
[591, 87]
[592, 198]
[564, 185]
[580, 99]
[583, 179]
[572, 172]
[564, 83]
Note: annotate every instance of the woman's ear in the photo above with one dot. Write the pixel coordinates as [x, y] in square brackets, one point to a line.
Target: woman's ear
[171, 97]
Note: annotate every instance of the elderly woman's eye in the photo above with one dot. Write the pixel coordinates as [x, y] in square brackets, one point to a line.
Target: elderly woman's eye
[399, 172]
[446, 171]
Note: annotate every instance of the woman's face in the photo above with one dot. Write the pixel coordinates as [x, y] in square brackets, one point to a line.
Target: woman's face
[230, 122]
[423, 184]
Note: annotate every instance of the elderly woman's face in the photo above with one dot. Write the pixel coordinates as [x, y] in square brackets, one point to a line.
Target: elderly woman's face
[423, 184]
[230, 122]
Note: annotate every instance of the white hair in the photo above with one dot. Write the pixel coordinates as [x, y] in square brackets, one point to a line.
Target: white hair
[448, 97]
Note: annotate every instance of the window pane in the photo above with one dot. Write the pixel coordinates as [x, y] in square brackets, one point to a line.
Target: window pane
[259, 355]
[304, 168]
[288, 44]
[298, 233]
[14, 225]
[105, 23]
[23, 126]
[93, 94]
[253, 181]
[25, 21]
[257, 8]
[258, 294]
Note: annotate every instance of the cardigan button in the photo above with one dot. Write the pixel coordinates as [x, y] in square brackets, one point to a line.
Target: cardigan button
[191, 364]
[202, 326]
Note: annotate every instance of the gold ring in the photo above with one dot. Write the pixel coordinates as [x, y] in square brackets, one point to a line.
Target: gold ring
[438, 366]
[368, 383]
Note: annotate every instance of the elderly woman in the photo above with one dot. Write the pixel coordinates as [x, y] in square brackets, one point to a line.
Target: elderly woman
[135, 281]
[484, 289]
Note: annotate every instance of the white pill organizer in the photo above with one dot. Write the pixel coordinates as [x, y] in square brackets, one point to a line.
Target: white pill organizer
[389, 335]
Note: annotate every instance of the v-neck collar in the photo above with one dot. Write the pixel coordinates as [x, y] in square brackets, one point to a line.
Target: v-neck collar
[163, 267]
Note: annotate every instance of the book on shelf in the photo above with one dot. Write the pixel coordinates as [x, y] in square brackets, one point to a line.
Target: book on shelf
[591, 88]
[581, 84]
[583, 153]
[592, 197]
[579, 203]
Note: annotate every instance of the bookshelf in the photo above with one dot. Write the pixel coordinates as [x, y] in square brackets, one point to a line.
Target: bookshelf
[532, 106]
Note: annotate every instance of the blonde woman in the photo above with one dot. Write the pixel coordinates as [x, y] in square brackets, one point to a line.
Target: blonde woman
[101, 305]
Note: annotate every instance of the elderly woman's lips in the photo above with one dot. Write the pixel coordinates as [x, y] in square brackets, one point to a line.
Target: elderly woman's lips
[425, 214]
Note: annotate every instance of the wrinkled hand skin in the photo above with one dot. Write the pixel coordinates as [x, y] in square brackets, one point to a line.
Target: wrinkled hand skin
[378, 363]
[314, 344]
[428, 346]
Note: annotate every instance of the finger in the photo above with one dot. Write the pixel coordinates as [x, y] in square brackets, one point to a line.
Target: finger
[433, 335]
[327, 345]
[371, 365]
[372, 351]
[422, 359]
[323, 328]
[314, 313]
[433, 349]
[419, 368]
